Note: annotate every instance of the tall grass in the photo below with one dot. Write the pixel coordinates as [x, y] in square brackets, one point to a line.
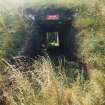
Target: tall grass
[42, 86]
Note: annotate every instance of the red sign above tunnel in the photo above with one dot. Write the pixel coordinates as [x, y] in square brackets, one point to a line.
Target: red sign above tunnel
[53, 17]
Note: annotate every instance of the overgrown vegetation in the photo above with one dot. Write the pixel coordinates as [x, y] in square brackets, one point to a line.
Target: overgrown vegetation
[41, 85]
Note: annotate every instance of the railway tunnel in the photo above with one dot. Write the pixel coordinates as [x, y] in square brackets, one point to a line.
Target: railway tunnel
[52, 32]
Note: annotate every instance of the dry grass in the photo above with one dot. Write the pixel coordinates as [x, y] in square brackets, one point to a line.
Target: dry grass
[42, 86]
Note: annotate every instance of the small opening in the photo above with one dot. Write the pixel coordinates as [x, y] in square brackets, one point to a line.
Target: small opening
[52, 39]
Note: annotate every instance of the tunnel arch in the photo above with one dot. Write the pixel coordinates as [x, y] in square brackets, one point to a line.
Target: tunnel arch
[36, 43]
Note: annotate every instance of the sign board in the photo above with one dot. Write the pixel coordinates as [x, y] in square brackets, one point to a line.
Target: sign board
[53, 17]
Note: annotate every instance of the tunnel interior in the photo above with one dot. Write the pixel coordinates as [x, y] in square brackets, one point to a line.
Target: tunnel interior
[65, 45]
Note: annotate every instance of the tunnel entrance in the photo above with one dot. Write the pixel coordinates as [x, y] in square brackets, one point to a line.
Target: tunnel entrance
[55, 42]
[52, 32]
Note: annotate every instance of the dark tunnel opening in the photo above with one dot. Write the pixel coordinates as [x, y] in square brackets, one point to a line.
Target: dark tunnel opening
[64, 46]
[56, 23]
